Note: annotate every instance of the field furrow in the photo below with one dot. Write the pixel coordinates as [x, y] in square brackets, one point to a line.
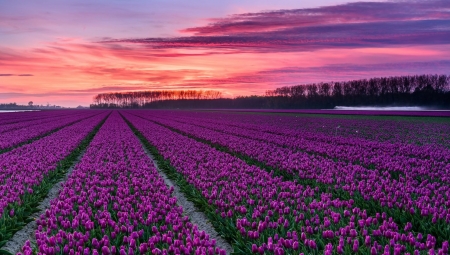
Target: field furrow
[260, 212]
[115, 202]
[27, 173]
[36, 122]
[402, 196]
[223, 182]
[18, 137]
[19, 117]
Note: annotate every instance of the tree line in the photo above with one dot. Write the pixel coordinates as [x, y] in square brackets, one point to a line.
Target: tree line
[142, 99]
[420, 90]
[29, 106]
[416, 90]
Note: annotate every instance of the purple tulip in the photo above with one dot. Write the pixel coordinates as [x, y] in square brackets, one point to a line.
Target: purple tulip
[105, 250]
[24, 167]
[286, 144]
[254, 248]
[113, 165]
[355, 245]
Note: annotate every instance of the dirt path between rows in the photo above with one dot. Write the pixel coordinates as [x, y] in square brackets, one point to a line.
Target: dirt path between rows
[195, 216]
[15, 244]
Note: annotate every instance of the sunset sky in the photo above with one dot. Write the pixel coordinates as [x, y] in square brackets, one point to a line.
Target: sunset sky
[65, 52]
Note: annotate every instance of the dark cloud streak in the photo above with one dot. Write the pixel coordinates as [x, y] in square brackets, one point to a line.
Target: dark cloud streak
[8, 74]
[413, 67]
[353, 25]
[358, 12]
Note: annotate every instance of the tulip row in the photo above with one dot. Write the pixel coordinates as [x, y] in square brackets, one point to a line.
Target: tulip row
[15, 117]
[115, 202]
[23, 135]
[30, 122]
[430, 132]
[261, 213]
[304, 130]
[430, 198]
[372, 155]
[28, 172]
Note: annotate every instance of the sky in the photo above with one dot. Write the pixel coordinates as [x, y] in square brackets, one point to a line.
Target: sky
[65, 52]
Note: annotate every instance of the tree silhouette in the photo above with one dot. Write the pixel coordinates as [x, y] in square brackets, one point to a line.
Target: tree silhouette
[415, 90]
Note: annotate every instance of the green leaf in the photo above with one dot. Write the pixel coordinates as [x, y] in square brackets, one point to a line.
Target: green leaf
[3, 252]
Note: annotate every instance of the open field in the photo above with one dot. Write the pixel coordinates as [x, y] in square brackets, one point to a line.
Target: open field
[221, 182]
[412, 113]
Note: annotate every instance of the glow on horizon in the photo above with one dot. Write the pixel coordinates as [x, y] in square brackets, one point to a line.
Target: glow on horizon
[239, 48]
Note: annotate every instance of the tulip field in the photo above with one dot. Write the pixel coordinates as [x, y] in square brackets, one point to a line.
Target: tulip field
[266, 182]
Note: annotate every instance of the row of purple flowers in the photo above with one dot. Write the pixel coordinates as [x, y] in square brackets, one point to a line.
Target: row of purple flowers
[25, 167]
[374, 135]
[15, 117]
[115, 202]
[32, 129]
[411, 191]
[275, 216]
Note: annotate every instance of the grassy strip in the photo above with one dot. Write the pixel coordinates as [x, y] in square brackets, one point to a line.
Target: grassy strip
[225, 227]
[37, 138]
[23, 212]
[421, 224]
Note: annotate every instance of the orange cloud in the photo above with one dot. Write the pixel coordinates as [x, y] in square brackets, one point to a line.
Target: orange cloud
[239, 55]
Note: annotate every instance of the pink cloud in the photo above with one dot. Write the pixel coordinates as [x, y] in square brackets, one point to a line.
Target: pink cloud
[352, 25]
[241, 54]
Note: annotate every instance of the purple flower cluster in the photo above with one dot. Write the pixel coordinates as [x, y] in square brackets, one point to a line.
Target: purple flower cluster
[16, 133]
[25, 167]
[423, 187]
[276, 216]
[432, 132]
[30, 121]
[115, 202]
[368, 135]
[15, 117]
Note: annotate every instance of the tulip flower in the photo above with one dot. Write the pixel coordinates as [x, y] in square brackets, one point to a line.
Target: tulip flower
[115, 171]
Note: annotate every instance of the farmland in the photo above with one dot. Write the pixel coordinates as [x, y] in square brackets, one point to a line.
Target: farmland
[264, 182]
